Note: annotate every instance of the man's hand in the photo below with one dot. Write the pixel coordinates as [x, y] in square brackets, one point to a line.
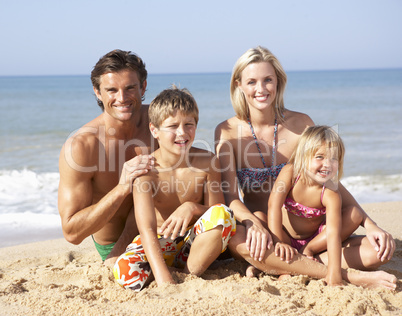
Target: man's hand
[258, 240]
[136, 167]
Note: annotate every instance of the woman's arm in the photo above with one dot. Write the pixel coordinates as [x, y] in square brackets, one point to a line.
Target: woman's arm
[258, 238]
[147, 226]
[333, 202]
[213, 187]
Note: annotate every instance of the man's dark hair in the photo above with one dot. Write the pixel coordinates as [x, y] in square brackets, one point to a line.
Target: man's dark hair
[116, 61]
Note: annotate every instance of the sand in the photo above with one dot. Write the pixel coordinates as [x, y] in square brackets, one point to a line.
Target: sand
[56, 278]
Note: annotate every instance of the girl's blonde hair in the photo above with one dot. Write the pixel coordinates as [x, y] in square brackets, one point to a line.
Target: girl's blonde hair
[256, 55]
[310, 142]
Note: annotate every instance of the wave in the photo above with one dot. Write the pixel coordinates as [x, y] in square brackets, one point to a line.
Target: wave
[28, 200]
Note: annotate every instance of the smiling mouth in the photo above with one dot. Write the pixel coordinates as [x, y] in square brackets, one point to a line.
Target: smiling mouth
[261, 98]
[181, 142]
[325, 173]
[122, 107]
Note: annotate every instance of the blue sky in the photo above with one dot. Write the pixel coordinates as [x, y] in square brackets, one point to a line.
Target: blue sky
[68, 37]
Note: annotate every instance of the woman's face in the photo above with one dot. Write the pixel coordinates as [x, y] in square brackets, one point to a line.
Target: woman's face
[258, 83]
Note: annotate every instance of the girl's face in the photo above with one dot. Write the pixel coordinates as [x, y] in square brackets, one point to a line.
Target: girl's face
[324, 164]
[258, 83]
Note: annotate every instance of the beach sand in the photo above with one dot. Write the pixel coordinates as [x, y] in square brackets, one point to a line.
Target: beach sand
[56, 278]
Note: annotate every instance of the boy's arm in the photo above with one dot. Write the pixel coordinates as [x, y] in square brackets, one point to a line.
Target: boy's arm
[147, 226]
[178, 222]
[333, 203]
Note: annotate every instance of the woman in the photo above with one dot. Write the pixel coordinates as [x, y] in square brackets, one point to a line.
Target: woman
[252, 148]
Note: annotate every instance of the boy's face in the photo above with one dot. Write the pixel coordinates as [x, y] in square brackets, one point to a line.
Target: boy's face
[176, 133]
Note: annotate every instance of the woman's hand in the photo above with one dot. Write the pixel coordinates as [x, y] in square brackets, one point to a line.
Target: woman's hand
[258, 239]
[382, 242]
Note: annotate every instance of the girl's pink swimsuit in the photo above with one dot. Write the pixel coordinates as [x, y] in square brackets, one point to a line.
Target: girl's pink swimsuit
[307, 212]
[301, 210]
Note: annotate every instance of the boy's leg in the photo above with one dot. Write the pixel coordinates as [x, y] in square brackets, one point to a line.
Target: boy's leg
[204, 250]
[132, 269]
[208, 237]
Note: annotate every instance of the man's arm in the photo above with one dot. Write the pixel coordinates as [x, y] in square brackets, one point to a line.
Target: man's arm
[78, 164]
[79, 216]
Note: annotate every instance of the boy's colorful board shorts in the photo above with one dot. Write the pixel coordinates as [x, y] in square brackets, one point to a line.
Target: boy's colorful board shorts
[132, 268]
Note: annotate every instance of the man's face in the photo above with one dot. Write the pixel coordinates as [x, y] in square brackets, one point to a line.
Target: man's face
[121, 93]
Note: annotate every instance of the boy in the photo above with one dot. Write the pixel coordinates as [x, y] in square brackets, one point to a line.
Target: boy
[178, 204]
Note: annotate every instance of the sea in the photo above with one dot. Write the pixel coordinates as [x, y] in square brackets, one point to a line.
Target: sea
[38, 114]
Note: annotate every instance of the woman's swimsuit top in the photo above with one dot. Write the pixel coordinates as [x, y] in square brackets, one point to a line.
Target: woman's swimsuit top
[255, 177]
[304, 211]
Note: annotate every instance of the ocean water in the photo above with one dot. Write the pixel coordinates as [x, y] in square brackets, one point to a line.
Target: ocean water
[39, 113]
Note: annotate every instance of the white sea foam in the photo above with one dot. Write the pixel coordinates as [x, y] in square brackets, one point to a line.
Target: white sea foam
[28, 202]
[369, 189]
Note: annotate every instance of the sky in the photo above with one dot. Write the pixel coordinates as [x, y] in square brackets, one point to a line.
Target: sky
[187, 36]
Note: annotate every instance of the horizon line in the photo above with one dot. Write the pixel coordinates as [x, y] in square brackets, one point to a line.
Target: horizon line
[206, 73]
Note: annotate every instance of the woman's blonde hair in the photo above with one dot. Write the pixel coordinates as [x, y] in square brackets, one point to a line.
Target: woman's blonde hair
[310, 142]
[256, 55]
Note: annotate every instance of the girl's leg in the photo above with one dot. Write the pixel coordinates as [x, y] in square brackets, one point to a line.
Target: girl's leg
[351, 220]
[357, 253]
[304, 266]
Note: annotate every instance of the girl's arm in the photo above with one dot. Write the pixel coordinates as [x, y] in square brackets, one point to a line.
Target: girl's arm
[278, 195]
[333, 202]
[147, 226]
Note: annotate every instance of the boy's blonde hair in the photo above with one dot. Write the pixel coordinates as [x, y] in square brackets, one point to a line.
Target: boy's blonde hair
[310, 142]
[257, 55]
[168, 102]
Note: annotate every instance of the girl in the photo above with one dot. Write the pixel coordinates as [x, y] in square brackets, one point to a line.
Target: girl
[305, 200]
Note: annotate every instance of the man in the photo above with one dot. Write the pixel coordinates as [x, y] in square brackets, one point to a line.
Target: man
[99, 163]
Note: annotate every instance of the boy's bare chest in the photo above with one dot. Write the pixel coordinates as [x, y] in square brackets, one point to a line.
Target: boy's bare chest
[176, 187]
